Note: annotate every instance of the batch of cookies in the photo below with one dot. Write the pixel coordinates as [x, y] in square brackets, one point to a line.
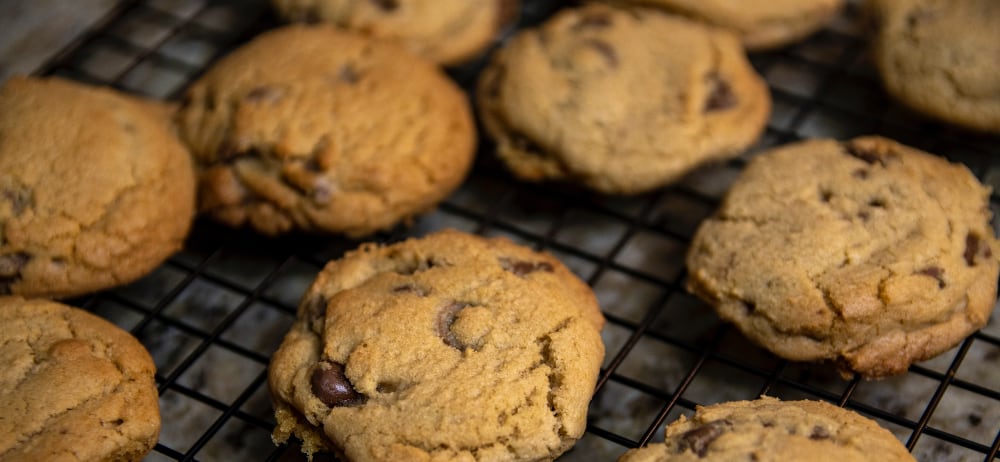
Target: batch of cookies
[864, 253]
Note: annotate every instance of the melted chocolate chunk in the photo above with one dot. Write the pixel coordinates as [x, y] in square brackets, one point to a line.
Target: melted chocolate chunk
[721, 96]
[870, 157]
[387, 5]
[332, 387]
[877, 203]
[698, 439]
[523, 143]
[409, 268]
[445, 319]
[593, 21]
[349, 74]
[315, 310]
[606, 50]
[265, 94]
[20, 199]
[975, 248]
[308, 16]
[819, 433]
[825, 195]
[936, 273]
[12, 263]
[522, 268]
[410, 289]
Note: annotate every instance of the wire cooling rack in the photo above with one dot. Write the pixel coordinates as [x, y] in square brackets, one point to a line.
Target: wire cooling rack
[212, 315]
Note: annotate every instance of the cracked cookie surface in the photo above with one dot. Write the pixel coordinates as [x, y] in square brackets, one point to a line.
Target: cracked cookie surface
[761, 25]
[447, 347]
[940, 57]
[768, 429]
[622, 101]
[312, 128]
[444, 31]
[868, 253]
[95, 188]
[74, 387]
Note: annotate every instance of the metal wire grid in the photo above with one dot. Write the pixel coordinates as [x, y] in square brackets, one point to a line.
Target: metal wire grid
[212, 315]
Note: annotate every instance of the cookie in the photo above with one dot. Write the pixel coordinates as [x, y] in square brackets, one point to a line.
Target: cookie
[940, 58]
[448, 347]
[443, 31]
[771, 430]
[74, 387]
[95, 188]
[622, 101]
[761, 25]
[315, 129]
[868, 253]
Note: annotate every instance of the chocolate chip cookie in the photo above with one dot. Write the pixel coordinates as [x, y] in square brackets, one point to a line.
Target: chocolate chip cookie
[95, 188]
[761, 25]
[316, 129]
[448, 347]
[940, 57]
[622, 101]
[73, 387]
[866, 252]
[768, 429]
[444, 31]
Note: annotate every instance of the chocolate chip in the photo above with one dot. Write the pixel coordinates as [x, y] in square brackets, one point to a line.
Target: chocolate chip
[348, 74]
[975, 247]
[12, 263]
[410, 289]
[825, 195]
[721, 95]
[877, 203]
[525, 144]
[308, 16]
[332, 387]
[606, 51]
[918, 17]
[408, 268]
[522, 268]
[860, 174]
[593, 21]
[387, 5]
[10, 269]
[934, 272]
[265, 94]
[446, 317]
[819, 433]
[20, 199]
[699, 438]
[321, 191]
[314, 309]
[870, 157]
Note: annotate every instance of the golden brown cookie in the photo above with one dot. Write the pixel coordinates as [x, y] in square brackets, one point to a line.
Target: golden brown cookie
[448, 347]
[867, 252]
[95, 188]
[940, 57]
[622, 101]
[443, 31]
[73, 387]
[770, 430]
[761, 25]
[316, 129]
